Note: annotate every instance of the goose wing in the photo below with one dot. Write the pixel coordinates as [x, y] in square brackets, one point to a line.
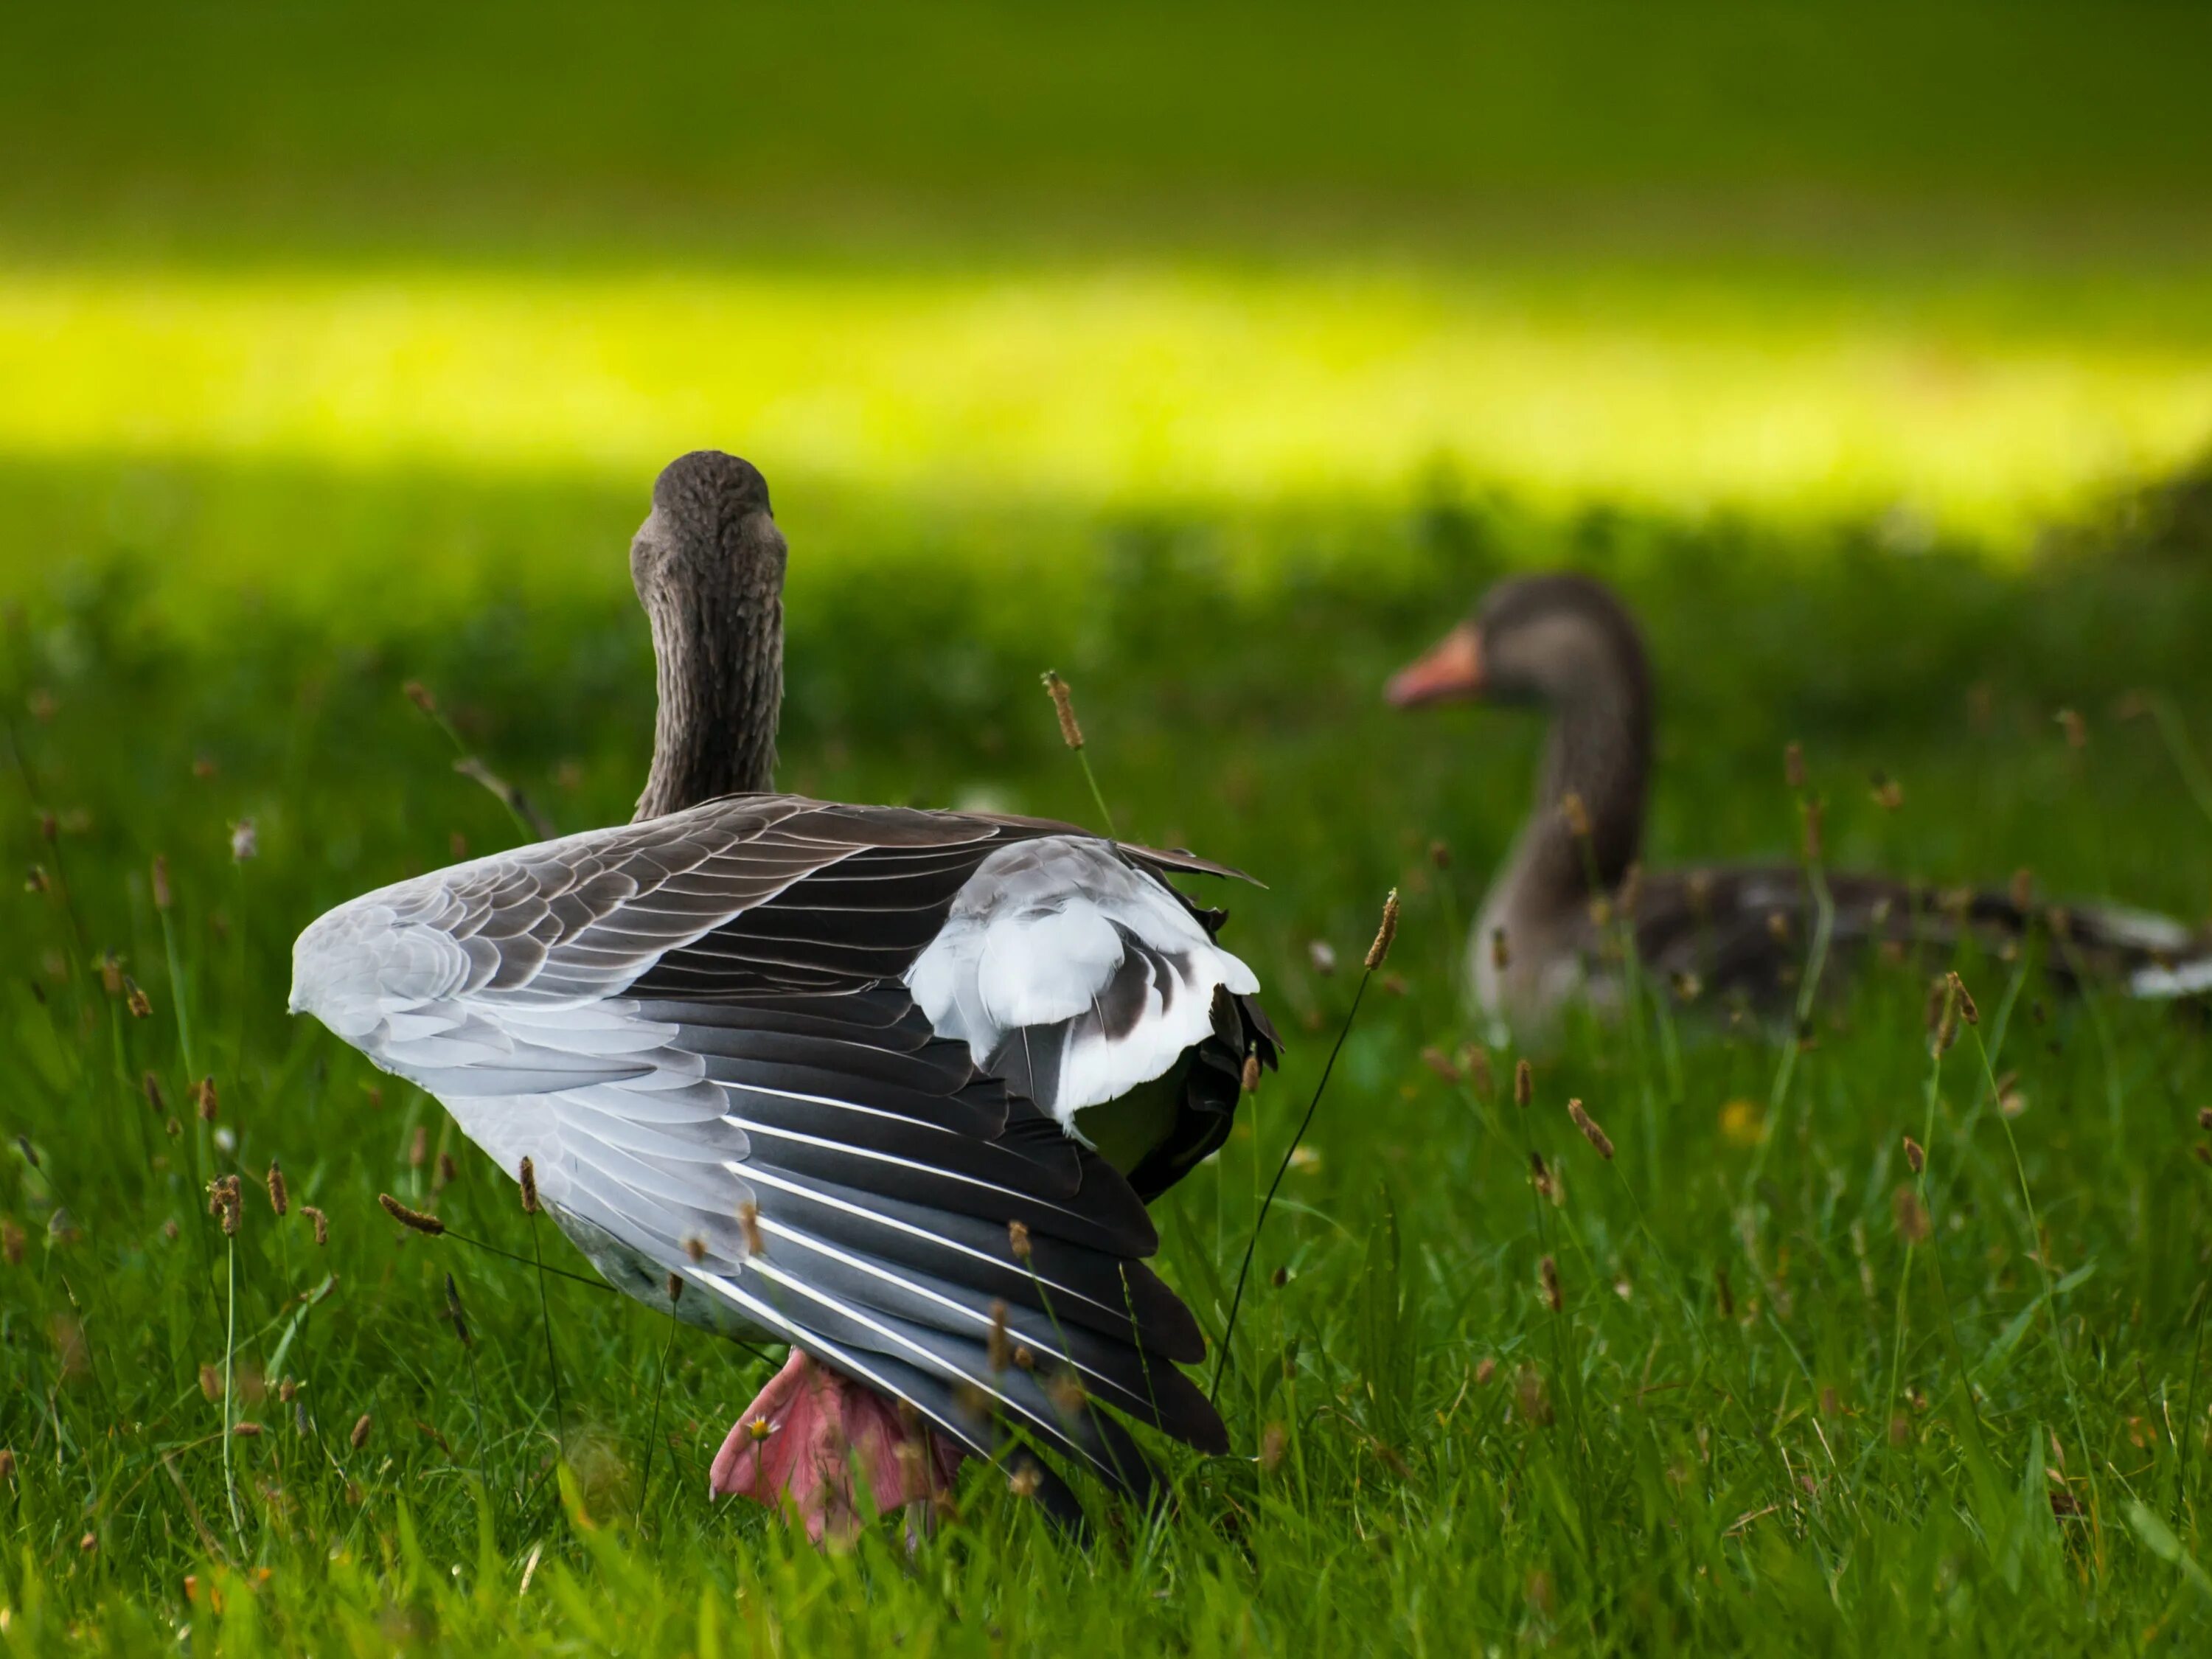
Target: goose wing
[713, 1035]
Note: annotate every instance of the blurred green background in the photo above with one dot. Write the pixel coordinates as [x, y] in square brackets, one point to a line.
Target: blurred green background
[1219, 356]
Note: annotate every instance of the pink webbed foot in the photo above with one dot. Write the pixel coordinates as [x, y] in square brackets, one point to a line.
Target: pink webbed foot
[807, 1437]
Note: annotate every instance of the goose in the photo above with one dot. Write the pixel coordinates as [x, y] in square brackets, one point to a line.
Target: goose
[1566, 643]
[892, 1087]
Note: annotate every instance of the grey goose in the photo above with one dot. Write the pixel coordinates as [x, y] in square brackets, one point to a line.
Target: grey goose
[891, 1086]
[1566, 643]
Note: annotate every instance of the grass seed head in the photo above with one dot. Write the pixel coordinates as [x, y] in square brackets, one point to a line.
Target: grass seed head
[419, 694]
[1915, 1159]
[1439, 855]
[35, 879]
[1017, 1240]
[245, 841]
[1026, 1480]
[280, 1200]
[418, 1147]
[7, 1466]
[1888, 793]
[2076, 729]
[1967, 1011]
[527, 1174]
[1591, 1132]
[1001, 1354]
[748, 1223]
[1250, 1081]
[1539, 1173]
[110, 974]
[2202, 1151]
[224, 1200]
[1548, 1271]
[360, 1436]
[1484, 1368]
[162, 897]
[1440, 1063]
[2204, 1118]
[320, 1222]
[1575, 815]
[140, 1004]
[416, 1220]
[204, 1097]
[695, 1247]
[152, 1084]
[12, 1241]
[453, 1312]
[446, 1173]
[1063, 704]
[1942, 1015]
[1378, 952]
[1524, 1083]
[246, 1431]
[1793, 764]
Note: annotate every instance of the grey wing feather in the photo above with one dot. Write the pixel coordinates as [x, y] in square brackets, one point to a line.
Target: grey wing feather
[695, 1029]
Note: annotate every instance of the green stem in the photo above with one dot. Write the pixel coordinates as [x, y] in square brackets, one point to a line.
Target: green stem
[1097, 795]
[1236, 1299]
[552, 1364]
[653, 1424]
[229, 1356]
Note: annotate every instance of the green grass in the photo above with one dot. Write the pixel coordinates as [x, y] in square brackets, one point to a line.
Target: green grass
[1216, 357]
[1696, 1453]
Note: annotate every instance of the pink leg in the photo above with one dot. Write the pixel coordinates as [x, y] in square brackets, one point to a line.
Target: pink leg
[807, 1434]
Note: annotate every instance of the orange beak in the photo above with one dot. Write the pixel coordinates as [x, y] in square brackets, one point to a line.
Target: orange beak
[1451, 670]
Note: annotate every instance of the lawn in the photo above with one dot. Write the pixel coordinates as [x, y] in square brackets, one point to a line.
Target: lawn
[358, 381]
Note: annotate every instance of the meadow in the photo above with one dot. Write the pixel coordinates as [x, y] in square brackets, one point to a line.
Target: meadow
[1891, 429]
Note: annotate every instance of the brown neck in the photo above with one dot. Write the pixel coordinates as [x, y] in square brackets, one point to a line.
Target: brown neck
[1600, 751]
[718, 648]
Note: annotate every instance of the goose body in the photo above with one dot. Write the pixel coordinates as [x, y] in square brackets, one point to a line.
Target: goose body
[1572, 898]
[891, 1086]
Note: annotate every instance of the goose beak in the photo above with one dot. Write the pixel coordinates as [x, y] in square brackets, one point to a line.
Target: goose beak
[1451, 670]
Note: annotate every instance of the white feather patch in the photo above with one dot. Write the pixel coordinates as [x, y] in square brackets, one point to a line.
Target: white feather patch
[1036, 939]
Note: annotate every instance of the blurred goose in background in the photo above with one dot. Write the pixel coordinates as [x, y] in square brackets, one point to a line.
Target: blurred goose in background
[891, 1086]
[1571, 884]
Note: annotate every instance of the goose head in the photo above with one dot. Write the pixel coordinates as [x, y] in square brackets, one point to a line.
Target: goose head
[708, 565]
[1566, 643]
[1556, 639]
